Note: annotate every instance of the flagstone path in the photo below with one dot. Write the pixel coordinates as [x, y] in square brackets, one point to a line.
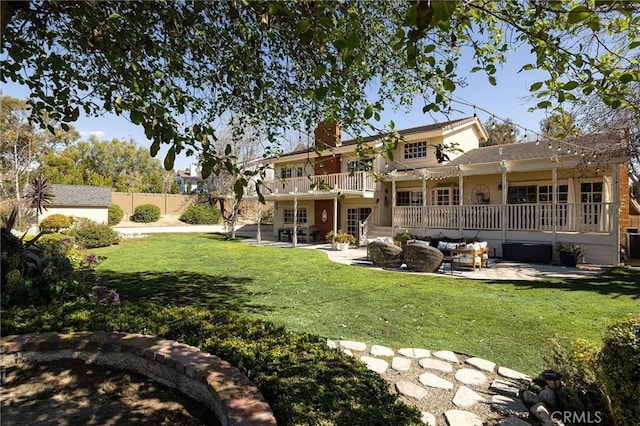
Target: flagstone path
[448, 388]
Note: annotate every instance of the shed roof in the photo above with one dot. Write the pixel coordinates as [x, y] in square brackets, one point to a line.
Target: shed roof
[81, 196]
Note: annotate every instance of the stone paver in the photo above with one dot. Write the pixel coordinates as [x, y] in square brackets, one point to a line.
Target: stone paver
[436, 364]
[509, 405]
[466, 397]
[462, 418]
[481, 364]
[446, 355]
[415, 352]
[512, 421]
[377, 350]
[411, 390]
[354, 346]
[465, 380]
[400, 363]
[431, 380]
[375, 364]
[506, 387]
[428, 419]
[513, 374]
[471, 377]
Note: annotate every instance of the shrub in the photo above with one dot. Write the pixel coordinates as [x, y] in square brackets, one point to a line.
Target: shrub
[578, 364]
[146, 213]
[303, 380]
[90, 234]
[201, 214]
[55, 222]
[620, 364]
[115, 214]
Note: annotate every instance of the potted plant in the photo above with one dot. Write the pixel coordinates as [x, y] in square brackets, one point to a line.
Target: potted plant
[569, 253]
[341, 240]
[402, 238]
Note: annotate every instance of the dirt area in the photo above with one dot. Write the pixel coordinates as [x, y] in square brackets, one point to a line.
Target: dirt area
[75, 393]
[166, 220]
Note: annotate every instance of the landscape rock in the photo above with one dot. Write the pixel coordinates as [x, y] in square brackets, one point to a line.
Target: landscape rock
[354, 346]
[400, 363]
[431, 380]
[481, 364]
[509, 405]
[415, 352]
[466, 397]
[547, 396]
[512, 421]
[377, 350]
[543, 415]
[506, 387]
[462, 418]
[530, 398]
[411, 390]
[436, 364]
[513, 374]
[422, 257]
[375, 364]
[384, 255]
[471, 377]
[428, 419]
[447, 356]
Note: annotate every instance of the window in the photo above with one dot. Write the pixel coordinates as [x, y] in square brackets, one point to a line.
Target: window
[591, 192]
[289, 172]
[415, 150]
[302, 216]
[449, 196]
[364, 164]
[409, 198]
[545, 194]
[522, 194]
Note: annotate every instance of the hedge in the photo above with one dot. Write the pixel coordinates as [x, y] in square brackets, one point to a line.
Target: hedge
[304, 381]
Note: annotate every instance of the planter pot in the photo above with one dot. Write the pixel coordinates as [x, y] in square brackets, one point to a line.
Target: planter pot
[568, 259]
[342, 246]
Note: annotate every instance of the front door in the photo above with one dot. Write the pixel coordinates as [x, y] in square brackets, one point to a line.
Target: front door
[354, 217]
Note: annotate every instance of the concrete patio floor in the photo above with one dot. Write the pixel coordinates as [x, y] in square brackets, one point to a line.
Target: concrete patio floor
[497, 270]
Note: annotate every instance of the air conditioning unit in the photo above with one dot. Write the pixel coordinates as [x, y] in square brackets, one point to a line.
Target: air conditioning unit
[633, 243]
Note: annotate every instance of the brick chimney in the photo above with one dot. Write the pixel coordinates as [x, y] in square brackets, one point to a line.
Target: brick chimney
[326, 135]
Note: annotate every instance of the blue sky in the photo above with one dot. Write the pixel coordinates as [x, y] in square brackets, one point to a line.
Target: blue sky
[506, 100]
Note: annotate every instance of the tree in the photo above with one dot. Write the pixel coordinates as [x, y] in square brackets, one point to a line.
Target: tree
[560, 125]
[500, 133]
[22, 144]
[121, 165]
[241, 148]
[175, 68]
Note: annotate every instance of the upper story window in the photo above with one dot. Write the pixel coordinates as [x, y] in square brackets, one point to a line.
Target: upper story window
[289, 172]
[415, 150]
[364, 164]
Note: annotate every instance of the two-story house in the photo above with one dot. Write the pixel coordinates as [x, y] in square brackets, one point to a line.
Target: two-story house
[575, 190]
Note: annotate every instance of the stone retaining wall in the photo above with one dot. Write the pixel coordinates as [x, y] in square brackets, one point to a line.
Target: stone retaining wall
[206, 378]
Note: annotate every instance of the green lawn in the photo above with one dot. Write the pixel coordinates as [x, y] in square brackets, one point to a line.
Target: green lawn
[512, 323]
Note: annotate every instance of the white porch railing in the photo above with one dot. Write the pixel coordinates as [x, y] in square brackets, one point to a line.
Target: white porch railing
[577, 217]
[344, 182]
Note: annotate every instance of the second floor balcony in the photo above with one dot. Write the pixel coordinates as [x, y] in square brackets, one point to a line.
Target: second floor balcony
[356, 183]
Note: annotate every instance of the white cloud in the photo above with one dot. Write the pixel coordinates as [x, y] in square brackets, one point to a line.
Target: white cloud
[96, 133]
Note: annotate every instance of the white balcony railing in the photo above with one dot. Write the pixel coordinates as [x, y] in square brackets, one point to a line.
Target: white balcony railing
[343, 182]
[578, 217]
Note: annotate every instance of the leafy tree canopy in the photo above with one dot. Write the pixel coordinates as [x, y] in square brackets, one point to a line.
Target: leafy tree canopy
[500, 133]
[175, 68]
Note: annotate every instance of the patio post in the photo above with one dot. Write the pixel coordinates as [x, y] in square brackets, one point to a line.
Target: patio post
[503, 169]
[294, 237]
[460, 202]
[258, 233]
[424, 202]
[554, 202]
[335, 214]
[615, 177]
[393, 205]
